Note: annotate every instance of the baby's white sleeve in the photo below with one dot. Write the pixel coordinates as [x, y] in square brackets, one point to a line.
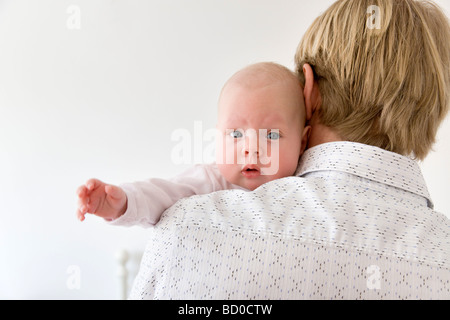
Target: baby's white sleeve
[147, 200]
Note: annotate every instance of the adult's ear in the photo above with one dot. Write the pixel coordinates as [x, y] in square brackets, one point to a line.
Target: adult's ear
[310, 92]
[305, 138]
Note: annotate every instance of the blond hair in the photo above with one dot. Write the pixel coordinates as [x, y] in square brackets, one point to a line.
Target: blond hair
[386, 84]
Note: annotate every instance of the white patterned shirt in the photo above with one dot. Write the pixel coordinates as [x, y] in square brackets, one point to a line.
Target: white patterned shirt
[356, 223]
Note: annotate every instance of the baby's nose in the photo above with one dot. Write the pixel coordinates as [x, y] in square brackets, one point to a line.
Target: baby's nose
[251, 157]
[251, 150]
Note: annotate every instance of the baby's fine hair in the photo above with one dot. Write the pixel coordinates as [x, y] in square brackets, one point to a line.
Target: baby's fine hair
[263, 72]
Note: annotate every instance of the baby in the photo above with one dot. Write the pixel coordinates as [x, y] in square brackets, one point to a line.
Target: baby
[261, 136]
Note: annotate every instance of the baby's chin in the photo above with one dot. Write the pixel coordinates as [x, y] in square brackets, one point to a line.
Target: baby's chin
[252, 184]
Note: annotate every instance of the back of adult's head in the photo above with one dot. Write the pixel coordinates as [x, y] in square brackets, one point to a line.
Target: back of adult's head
[383, 70]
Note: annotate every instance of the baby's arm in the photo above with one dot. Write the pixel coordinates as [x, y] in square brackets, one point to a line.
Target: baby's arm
[146, 201]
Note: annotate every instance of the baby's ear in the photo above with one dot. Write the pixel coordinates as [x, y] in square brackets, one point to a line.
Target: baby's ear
[305, 138]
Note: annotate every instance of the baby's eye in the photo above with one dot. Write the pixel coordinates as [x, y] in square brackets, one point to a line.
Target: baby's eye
[236, 134]
[273, 135]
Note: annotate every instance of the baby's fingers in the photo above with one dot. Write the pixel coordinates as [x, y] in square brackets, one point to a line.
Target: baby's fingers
[93, 184]
[82, 208]
[80, 214]
[83, 200]
[82, 192]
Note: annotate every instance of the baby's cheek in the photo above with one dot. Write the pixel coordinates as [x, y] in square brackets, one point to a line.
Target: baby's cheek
[227, 152]
[228, 171]
[288, 163]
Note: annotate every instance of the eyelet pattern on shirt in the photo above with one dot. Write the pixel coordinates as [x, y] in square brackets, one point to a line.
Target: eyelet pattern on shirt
[340, 231]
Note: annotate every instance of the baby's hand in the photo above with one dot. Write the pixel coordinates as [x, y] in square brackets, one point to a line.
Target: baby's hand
[103, 200]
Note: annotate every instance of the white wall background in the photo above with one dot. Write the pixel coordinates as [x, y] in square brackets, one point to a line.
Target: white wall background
[102, 101]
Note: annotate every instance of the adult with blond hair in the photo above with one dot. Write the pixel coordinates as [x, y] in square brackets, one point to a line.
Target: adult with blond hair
[357, 221]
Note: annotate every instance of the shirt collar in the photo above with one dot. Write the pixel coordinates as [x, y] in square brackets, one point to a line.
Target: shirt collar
[368, 162]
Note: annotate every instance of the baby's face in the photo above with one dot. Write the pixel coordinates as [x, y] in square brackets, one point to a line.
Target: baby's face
[261, 133]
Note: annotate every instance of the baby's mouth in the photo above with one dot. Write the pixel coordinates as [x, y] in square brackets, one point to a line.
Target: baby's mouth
[251, 171]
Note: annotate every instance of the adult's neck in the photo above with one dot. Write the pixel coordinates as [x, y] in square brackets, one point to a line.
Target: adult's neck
[322, 134]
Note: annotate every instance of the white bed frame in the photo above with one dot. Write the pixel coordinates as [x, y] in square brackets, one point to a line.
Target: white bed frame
[127, 268]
